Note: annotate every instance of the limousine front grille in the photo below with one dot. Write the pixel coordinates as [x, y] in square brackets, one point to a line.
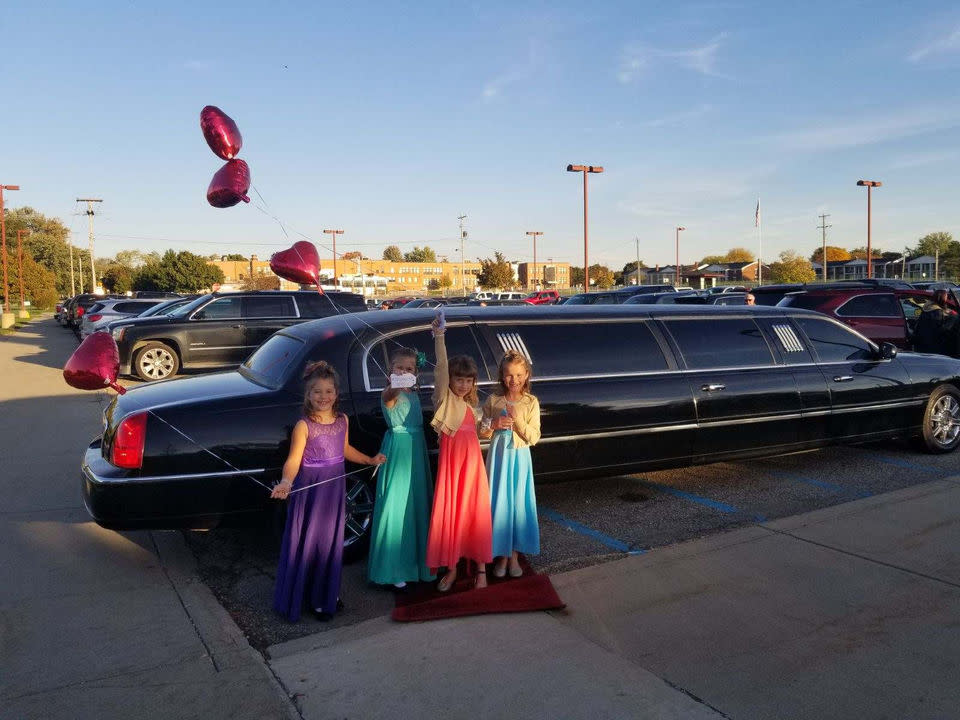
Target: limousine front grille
[788, 338]
[513, 341]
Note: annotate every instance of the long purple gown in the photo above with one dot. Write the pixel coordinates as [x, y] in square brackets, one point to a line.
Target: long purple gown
[312, 553]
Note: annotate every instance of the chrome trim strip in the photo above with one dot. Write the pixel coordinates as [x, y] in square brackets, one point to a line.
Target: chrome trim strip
[787, 337]
[880, 406]
[618, 433]
[163, 478]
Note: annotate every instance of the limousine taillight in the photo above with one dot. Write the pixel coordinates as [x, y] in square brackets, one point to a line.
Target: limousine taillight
[128, 442]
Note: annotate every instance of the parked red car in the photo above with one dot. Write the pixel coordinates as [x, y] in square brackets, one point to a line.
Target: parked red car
[880, 314]
[542, 297]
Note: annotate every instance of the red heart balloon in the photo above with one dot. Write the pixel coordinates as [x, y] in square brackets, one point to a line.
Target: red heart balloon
[299, 264]
[95, 364]
[221, 132]
[230, 184]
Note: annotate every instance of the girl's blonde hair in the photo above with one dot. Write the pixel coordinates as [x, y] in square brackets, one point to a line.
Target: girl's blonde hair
[321, 370]
[465, 366]
[509, 358]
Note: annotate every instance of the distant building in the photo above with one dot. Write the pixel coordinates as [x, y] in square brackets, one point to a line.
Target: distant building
[699, 276]
[548, 275]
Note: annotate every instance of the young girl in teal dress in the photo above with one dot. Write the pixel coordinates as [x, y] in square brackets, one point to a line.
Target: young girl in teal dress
[401, 515]
[512, 417]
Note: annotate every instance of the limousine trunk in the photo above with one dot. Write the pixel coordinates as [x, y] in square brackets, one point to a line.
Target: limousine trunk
[622, 389]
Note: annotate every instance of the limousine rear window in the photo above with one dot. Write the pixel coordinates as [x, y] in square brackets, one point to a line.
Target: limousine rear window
[833, 342]
[458, 339]
[720, 342]
[269, 363]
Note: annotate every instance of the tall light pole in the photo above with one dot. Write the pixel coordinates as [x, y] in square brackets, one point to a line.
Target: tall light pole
[677, 266]
[93, 272]
[334, 233]
[585, 169]
[535, 234]
[869, 185]
[463, 234]
[3, 235]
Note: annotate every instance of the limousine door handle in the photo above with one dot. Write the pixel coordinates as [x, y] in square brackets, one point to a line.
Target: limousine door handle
[713, 387]
[843, 378]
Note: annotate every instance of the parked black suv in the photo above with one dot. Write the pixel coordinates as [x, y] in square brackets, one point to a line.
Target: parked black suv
[218, 330]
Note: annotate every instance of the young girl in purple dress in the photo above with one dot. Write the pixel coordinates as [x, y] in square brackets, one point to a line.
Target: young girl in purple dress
[311, 556]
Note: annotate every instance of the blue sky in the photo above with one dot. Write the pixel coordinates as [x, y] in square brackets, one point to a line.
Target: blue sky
[389, 120]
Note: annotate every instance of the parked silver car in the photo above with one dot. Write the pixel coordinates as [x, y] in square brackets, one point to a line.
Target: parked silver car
[106, 311]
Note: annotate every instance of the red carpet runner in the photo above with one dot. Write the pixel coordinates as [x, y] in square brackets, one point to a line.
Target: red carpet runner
[523, 594]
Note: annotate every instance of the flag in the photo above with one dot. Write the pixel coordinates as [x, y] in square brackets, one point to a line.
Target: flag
[757, 219]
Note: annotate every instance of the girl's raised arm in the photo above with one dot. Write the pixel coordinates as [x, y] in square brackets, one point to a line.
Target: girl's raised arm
[298, 441]
[441, 373]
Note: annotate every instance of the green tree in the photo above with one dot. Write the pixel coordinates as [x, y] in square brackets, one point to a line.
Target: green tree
[46, 241]
[834, 254]
[117, 278]
[134, 259]
[235, 256]
[628, 268]
[576, 276]
[393, 253]
[261, 281]
[446, 281]
[418, 254]
[860, 253]
[601, 277]
[738, 254]
[791, 268]
[496, 273]
[712, 260]
[434, 284]
[933, 242]
[178, 272]
[39, 284]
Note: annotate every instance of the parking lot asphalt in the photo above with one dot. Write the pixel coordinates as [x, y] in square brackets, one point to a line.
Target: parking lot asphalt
[822, 584]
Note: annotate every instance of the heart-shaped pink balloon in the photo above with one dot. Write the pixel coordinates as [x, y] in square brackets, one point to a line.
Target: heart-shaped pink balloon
[230, 184]
[95, 364]
[221, 132]
[299, 264]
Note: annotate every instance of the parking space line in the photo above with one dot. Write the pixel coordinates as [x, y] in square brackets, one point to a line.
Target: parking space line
[722, 507]
[832, 487]
[600, 537]
[907, 464]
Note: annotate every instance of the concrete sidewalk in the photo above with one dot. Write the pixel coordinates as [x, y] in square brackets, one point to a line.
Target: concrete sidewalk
[846, 612]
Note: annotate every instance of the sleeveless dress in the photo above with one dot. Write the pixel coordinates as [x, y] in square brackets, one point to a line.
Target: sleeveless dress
[460, 524]
[512, 497]
[311, 556]
[401, 516]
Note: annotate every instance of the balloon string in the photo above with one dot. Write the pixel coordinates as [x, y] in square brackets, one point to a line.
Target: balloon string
[324, 482]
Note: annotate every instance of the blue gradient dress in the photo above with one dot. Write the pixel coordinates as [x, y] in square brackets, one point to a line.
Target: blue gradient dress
[513, 500]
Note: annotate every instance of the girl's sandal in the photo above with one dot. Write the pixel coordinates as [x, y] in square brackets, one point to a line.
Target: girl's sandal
[476, 582]
[446, 582]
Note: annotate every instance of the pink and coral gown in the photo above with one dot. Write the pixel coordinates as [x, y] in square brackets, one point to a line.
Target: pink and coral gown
[460, 524]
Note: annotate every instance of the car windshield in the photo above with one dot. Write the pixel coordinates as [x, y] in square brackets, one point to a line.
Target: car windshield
[184, 310]
[578, 300]
[269, 363]
[531, 296]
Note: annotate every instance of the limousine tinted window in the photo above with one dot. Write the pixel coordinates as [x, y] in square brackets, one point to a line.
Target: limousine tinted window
[834, 342]
[270, 361]
[459, 341]
[726, 342]
[268, 306]
[579, 349]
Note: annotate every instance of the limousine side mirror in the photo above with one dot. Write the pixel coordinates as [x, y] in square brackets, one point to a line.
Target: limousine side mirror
[888, 351]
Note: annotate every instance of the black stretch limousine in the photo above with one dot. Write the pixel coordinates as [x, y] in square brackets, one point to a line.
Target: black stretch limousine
[622, 389]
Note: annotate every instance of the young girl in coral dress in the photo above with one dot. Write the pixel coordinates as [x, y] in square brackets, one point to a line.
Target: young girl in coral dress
[311, 556]
[460, 524]
[401, 514]
[512, 416]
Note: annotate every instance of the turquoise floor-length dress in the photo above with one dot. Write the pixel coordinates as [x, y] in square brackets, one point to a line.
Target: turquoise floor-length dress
[401, 517]
[513, 500]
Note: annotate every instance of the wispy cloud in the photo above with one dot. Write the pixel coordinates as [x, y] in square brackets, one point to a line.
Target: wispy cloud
[870, 129]
[635, 59]
[493, 88]
[941, 46]
[923, 158]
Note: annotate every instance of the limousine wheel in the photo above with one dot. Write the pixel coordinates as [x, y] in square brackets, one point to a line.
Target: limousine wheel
[356, 534]
[941, 421]
[156, 361]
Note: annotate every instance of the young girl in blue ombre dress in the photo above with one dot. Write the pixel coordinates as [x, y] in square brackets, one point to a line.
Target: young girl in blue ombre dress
[401, 514]
[512, 417]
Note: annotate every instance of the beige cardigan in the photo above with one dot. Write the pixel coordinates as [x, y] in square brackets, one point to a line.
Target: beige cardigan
[526, 421]
[449, 410]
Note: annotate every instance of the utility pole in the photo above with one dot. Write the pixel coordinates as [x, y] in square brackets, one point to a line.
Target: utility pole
[334, 233]
[823, 258]
[3, 237]
[80, 274]
[73, 290]
[638, 259]
[93, 272]
[936, 265]
[534, 233]
[463, 234]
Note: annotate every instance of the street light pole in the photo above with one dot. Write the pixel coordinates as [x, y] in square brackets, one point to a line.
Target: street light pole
[534, 233]
[463, 234]
[334, 233]
[869, 185]
[585, 169]
[3, 235]
[676, 274]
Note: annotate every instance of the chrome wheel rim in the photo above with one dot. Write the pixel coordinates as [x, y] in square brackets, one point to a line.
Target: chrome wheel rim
[359, 512]
[156, 363]
[945, 421]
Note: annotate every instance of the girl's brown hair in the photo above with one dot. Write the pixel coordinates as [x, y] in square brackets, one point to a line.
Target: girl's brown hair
[465, 366]
[509, 358]
[321, 370]
[402, 352]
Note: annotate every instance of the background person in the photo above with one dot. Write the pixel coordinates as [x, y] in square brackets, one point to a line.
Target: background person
[936, 327]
